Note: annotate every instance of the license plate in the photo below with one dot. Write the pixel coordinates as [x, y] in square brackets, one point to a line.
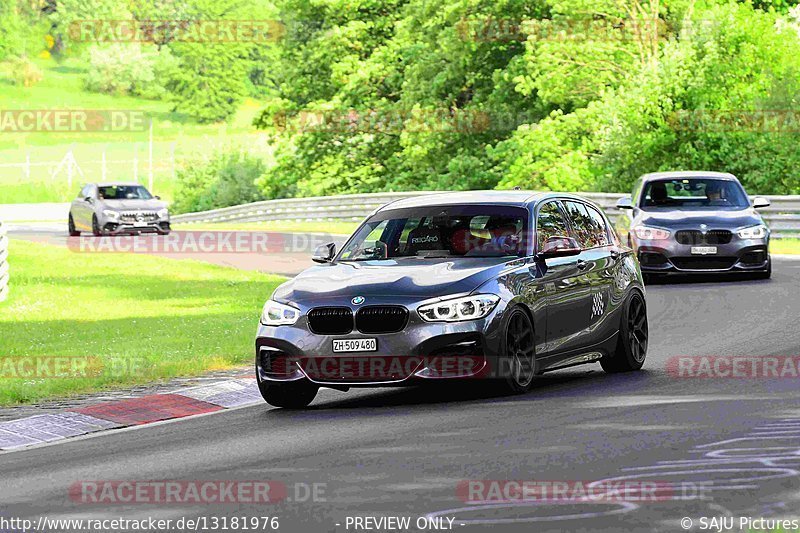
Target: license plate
[140, 224]
[704, 250]
[355, 345]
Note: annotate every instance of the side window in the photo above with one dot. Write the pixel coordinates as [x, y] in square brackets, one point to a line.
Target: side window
[600, 231]
[550, 222]
[84, 192]
[582, 224]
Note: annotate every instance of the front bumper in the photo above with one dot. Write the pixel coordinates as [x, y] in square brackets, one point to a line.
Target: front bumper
[119, 228]
[669, 256]
[421, 352]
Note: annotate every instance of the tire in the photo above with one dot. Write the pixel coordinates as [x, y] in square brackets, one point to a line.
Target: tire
[71, 226]
[289, 394]
[96, 231]
[518, 358]
[633, 338]
[164, 232]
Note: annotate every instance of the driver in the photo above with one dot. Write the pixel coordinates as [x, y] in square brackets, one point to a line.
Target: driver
[714, 193]
[658, 193]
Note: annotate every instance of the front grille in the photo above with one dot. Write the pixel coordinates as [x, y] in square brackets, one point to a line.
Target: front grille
[330, 320]
[381, 319]
[694, 237]
[703, 263]
[138, 216]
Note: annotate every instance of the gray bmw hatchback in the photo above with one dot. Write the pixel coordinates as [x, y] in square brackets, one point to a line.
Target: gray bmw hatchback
[696, 222]
[492, 286]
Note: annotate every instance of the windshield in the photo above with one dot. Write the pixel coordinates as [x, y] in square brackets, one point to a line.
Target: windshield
[694, 193]
[123, 192]
[440, 231]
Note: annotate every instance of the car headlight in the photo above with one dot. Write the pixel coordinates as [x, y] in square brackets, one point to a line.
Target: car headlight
[648, 233]
[112, 215]
[276, 314]
[163, 213]
[466, 308]
[753, 232]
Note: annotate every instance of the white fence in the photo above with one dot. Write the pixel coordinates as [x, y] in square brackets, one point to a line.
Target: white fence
[3, 263]
[783, 217]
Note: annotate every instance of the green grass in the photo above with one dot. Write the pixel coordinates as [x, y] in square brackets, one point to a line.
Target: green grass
[166, 317]
[289, 226]
[785, 246]
[174, 134]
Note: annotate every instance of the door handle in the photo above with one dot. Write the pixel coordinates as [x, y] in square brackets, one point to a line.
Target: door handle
[582, 264]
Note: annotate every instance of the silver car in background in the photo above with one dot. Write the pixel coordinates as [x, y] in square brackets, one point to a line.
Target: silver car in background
[116, 208]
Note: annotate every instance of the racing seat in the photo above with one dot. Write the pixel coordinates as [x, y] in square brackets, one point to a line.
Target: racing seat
[425, 238]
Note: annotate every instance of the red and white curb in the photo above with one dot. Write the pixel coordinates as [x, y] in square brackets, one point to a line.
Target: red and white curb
[80, 421]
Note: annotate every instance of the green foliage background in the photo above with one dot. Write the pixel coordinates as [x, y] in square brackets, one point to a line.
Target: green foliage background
[381, 95]
[573, 102]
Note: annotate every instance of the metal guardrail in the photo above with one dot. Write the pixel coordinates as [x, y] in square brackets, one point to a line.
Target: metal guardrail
[4, 275]
[783, 216]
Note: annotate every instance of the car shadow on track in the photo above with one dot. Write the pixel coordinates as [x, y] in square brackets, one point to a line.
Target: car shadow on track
[566, 384]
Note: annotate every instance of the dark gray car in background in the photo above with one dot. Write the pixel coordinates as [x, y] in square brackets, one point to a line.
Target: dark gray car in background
[495, 286]
[695, 223]
[117, 208]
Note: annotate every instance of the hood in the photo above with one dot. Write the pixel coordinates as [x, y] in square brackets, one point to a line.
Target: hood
[408, 278]
[674, 218]
[135, 205]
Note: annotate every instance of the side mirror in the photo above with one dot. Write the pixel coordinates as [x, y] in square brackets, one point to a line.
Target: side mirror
[560, 247]
[324, 253]
[760, 201]
[625, 203]
[157, 197]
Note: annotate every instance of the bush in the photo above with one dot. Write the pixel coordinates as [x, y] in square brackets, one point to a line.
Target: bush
[227, 179]
[24, 73]
[127, 69]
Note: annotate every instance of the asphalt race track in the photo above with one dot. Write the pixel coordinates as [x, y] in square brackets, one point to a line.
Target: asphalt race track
[716, 446]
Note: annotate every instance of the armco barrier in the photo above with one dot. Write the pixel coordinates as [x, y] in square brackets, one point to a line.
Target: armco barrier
[3, 263]
[783, 216]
